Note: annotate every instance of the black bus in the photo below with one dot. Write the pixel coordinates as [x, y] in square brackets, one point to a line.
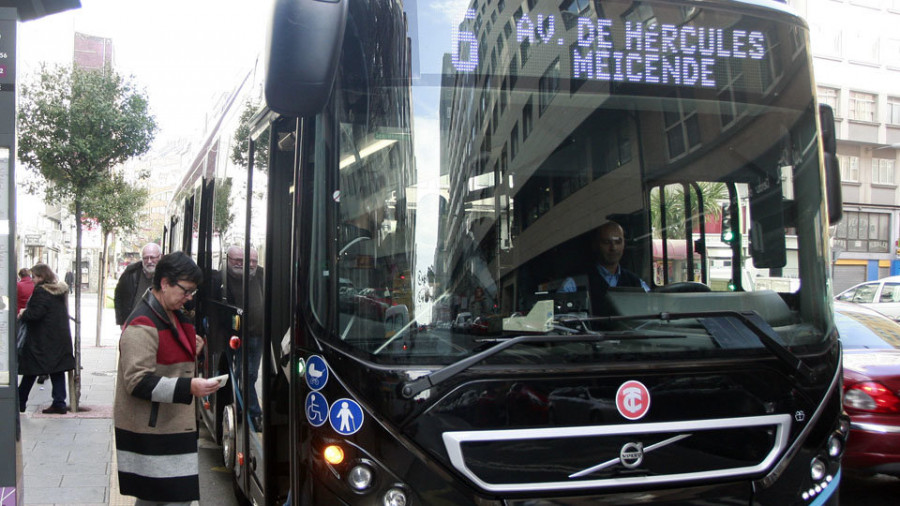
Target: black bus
[429, 188]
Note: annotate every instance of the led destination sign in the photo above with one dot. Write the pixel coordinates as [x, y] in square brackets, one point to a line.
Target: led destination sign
[604, 50]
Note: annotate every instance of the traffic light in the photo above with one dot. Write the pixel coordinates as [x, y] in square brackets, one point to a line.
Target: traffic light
[728, 232]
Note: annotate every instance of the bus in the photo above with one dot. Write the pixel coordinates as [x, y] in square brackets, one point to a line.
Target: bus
[411, 162]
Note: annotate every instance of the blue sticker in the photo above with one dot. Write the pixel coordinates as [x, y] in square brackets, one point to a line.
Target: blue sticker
[316, 372]
[346, 416]
[316, 409]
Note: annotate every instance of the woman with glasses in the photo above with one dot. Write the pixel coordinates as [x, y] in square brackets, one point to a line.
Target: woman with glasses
[156, 429]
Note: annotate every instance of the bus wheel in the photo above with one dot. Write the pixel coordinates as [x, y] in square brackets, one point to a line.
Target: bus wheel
[229, 436]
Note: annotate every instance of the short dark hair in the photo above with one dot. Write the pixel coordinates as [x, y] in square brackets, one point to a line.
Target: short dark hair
[24, 272]
[176, 267]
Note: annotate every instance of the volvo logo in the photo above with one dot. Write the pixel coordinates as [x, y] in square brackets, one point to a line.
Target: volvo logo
[631, 455]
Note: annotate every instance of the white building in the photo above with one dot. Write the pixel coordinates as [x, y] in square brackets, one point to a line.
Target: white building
[856, 50]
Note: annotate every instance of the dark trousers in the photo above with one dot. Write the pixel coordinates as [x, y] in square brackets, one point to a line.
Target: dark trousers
[253, 346]
[58, 393]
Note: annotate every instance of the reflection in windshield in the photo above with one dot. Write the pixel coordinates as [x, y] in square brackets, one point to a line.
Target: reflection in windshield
[476, 173]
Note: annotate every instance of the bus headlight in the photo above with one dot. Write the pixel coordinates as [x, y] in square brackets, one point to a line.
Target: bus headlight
[395, 497]
[360, 477]
[817, 469]
[835, 445]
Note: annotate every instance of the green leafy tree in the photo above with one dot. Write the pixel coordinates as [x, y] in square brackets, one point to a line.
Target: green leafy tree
[115, 206]
[240, 152]
[222, 215]
[713, 193]
[75, 125]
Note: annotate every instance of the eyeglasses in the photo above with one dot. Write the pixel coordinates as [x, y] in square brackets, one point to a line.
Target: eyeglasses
[240, 261]
[187, 293]
[154, 257]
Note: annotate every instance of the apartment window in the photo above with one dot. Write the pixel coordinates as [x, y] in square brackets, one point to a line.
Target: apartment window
[892, 52]
[732, 102]
[849, 168]
[571, 10]
[524, 48]
[893, 110]
[682, 128]
[827, 41]
[832, 97]
[527, 119]
[862, 106]
[863, 232]
[548, 86]
[863, 47]
[514, 142]
[882, 171]
[641, 13]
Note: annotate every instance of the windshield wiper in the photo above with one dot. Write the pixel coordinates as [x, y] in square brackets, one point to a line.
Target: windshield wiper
[412, 388]
[763, 332]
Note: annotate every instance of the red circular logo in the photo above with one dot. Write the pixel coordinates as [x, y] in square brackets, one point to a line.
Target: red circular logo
[633, 400]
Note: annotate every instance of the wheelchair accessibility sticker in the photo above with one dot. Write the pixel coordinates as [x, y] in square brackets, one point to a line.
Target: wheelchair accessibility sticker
[316, 372]
[316, 409]
[346, 416]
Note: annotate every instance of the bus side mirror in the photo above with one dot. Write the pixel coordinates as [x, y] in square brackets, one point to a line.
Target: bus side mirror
[832, 167]
[303, 47]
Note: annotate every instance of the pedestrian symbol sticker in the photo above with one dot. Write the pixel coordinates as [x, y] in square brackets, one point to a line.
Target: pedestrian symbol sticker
[346, 416]
[316, 372]
[316, 409]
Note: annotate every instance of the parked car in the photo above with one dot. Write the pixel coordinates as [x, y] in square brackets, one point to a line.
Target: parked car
[871, 344]
[882, 296]
[462, 322]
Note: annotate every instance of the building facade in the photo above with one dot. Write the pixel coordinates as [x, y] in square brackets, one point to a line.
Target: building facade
[856, 48]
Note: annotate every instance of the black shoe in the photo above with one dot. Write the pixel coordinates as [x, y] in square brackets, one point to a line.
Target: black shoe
[42, 378]
[55, 410]
[21, 409]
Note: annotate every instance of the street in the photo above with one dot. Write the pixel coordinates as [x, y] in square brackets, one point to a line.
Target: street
[215, 481]
[874, 490]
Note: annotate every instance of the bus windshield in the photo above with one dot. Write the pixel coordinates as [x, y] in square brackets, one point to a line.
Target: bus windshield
[630, 170]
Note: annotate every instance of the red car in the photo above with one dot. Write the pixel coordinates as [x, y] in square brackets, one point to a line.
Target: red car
[871, 344]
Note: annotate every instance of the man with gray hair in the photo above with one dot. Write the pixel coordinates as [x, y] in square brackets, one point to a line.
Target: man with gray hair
[135, 281]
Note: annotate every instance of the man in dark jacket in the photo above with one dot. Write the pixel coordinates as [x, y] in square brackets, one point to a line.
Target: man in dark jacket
[608, 246]
[48, 347]
[134, 281]
[230, 289]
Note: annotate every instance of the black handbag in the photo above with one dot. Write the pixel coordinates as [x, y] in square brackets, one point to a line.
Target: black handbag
[21, 335]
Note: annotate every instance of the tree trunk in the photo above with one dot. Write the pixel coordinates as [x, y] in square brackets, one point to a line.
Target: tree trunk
[101, 287]
[75, 379]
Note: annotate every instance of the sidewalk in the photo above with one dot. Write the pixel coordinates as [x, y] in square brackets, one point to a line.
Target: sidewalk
[68, 458]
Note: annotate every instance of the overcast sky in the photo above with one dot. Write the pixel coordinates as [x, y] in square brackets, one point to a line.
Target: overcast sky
[184, 53]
